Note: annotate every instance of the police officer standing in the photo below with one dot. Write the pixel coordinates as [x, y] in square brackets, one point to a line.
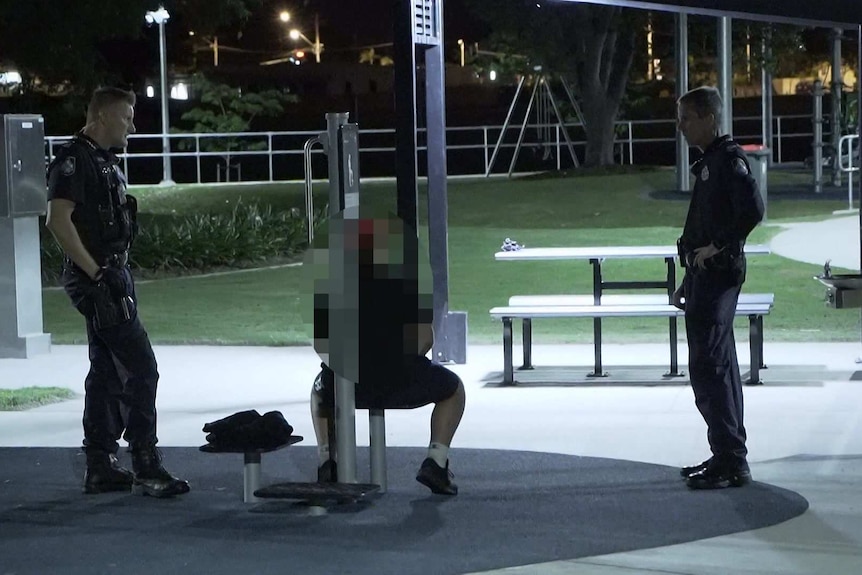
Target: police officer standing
[94, 221]
[725, 207]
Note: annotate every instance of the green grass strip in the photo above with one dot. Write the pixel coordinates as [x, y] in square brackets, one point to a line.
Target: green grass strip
[29, 397]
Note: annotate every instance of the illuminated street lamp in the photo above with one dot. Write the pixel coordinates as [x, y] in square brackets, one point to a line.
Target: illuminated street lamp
[284, 16]
[159, 17]
[316, 46]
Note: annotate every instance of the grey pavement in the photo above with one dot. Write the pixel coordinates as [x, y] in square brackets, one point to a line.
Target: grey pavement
[804, 423]
[835, 239]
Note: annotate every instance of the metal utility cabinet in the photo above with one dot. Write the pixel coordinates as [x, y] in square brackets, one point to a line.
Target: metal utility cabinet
[23, 198]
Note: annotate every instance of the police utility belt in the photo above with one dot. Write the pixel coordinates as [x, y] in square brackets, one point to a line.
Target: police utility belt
[723, 260]
[117, 260]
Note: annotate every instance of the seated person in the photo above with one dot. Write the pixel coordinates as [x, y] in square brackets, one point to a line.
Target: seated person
[392, 339]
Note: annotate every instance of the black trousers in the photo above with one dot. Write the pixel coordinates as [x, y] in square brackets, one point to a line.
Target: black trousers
[710, 305]
[120, 388]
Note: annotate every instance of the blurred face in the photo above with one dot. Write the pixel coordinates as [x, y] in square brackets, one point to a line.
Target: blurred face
[116, 123]
[698, 131]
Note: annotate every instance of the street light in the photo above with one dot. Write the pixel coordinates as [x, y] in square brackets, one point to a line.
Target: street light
[461, 46]
[284, 16]
[159, 17]
[316, 46]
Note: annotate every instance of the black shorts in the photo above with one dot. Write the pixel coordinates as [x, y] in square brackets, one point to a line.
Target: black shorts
[424, 383]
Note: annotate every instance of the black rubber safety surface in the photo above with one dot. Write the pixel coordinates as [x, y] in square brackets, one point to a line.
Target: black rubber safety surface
[514, 508]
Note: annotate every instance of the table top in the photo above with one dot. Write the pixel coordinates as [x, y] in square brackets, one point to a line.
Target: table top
[604, 252]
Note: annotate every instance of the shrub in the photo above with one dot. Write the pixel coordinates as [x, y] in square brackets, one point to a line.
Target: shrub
[246, 235]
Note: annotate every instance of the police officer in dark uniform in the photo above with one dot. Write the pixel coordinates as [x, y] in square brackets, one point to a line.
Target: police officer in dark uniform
[94, 221]
[725, 207]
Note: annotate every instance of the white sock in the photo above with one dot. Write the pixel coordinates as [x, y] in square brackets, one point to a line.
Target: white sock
[323, 452]
[439, 453]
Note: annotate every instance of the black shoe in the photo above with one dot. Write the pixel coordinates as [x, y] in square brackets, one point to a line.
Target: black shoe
[718, 479]
[104, 474]
[151, 478]
[437, 479]
[685, 472]
[327, 472]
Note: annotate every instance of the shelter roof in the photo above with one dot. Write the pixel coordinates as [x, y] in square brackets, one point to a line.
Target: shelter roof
[829, 13]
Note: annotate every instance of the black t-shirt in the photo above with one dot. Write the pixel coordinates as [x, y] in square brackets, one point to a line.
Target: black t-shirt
[372, 336]
[390, 310]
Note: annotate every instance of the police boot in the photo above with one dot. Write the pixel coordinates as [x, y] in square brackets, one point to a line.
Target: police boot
[104, 474]
[151, 478]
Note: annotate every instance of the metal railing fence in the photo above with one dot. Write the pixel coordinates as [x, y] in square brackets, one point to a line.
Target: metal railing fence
[849, 162]
[278, 156]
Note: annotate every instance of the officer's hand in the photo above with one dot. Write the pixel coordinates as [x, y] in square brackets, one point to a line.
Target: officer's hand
[703, 254]
[677, 298]
[114, 279]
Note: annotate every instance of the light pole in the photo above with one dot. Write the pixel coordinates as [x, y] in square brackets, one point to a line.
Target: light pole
[316, 46]
[159, 17]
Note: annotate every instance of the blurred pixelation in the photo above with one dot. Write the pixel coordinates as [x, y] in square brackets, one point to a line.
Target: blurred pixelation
[368, 295]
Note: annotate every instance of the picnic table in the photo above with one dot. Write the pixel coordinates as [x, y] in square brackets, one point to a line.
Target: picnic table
[596, 255]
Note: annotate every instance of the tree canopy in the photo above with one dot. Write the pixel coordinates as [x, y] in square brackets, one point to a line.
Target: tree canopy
[225, 109]
[72, 46]
[591, 46]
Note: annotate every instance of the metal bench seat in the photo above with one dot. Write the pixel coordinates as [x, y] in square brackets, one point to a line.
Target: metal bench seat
[619, 299]
[754, 306]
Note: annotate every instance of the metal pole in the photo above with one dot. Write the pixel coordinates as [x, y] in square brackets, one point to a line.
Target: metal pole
[859, 124]
[505, 127]
[561, 124]
[837, 89]
[523, 127]
[818, 137]
[309, 187]
[166, 146]
[345, 390]
[406, 160]
[377, 443]
[766, 92]
[683, 182]
[450, 328]
[725, 73]
[316, 39]
[572, 101]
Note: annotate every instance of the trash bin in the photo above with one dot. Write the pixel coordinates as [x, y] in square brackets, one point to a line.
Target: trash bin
[758, 157]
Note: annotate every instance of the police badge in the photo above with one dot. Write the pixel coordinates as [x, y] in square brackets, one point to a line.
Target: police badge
[704, 175]
[68, 166]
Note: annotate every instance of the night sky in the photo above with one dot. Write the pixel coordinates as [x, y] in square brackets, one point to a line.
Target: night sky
[345, 26]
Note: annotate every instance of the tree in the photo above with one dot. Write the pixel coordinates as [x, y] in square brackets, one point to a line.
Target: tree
[56, 44]
[786, 51]
[589, 45]
[226, 109]
[61, 46]
[370, 56]
[206, 17]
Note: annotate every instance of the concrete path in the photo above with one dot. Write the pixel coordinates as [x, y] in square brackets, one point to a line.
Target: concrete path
[804, 423]
[835, 239]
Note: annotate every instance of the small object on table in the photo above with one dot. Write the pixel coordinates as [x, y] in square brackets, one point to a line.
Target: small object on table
[510, 245]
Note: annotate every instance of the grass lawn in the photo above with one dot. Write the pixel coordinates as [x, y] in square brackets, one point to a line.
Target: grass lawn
[263, 307]
[27, 397]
